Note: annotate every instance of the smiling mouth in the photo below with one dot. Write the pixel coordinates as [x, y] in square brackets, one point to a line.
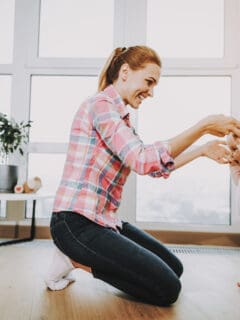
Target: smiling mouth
[141, 97]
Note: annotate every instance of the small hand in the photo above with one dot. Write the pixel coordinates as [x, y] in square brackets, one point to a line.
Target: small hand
[217, 151]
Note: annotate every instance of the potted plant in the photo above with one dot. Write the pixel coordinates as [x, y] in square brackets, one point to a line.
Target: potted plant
[13, 137]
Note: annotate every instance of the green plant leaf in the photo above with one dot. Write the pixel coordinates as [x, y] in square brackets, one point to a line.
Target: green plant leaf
[13, 135]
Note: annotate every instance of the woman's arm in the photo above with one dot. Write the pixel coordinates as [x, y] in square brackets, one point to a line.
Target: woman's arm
[218, 125]
[214, 150]
[118, 136]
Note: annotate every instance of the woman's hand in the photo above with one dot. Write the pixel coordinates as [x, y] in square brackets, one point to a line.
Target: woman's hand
[235, 158]
[217, 125]
[217, 151]
[233, 142]
[220, 125]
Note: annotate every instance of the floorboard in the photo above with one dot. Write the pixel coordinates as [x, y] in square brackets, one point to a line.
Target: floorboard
[209, 289]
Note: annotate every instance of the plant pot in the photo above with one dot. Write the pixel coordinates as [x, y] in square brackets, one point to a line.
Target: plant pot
[8, 178]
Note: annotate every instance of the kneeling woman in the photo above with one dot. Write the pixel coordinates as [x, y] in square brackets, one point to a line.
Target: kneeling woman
[103, 149]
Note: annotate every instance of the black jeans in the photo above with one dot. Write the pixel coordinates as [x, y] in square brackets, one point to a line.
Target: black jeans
[132, 260]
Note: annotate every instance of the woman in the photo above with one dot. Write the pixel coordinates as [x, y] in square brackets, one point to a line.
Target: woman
[103, 149]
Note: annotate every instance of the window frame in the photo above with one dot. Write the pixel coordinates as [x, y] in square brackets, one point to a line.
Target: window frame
[127, 31]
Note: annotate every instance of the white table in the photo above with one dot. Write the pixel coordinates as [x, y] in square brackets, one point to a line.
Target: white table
[4, 197]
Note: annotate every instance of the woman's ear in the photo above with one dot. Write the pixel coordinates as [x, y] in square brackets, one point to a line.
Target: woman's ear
[123, 72]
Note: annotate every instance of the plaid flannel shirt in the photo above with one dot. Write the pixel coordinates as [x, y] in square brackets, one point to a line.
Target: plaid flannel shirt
[102, 151]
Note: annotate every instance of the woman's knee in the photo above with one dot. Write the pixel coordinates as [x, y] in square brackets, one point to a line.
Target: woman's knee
[170, 294]
[180, 269]
[173, 292]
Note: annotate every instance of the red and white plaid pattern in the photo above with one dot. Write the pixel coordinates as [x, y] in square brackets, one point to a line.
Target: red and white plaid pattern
[102, 151]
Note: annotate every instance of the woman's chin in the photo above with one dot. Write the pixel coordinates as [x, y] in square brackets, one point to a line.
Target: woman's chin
[136, 104]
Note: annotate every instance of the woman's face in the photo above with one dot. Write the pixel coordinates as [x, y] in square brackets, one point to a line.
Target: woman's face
[139, 84]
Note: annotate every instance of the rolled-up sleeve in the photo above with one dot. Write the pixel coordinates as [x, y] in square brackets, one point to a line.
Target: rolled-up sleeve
[166, 160]
[124, 143]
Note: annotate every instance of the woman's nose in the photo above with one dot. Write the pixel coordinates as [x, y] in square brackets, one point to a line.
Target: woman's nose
[150, 92]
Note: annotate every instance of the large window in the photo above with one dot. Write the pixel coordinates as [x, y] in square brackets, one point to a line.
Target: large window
[54, 101]
[196, 45]
[7, 9]
[190, 195]
[186, 28]
[5, 94]
[76, 28]
[51, 54]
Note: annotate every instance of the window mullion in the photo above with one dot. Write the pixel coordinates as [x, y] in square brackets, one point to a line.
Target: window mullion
[21, 77]
[133, 33]
[231, 30]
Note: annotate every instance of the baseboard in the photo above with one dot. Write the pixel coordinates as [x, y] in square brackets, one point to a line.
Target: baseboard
[14, 230]
[197, 238]
[22, 229]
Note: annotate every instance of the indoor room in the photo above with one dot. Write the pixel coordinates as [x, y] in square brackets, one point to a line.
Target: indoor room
[120, 159]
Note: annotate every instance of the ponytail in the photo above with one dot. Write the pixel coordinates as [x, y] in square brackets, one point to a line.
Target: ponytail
[136, 57]
[111, 68]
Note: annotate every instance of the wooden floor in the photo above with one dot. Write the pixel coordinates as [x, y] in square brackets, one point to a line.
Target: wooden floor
[209, 289]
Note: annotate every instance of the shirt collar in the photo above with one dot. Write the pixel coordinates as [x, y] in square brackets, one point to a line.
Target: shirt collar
[121, 107]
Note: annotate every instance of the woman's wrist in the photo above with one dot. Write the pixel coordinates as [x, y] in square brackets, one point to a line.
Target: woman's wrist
[203, 150]
[204, 126]
[167, 145]
[191, 154]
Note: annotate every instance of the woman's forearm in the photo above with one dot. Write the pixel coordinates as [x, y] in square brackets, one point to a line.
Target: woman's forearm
[218, 125]
[181, 142]
[215, 150]
[187, 157]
